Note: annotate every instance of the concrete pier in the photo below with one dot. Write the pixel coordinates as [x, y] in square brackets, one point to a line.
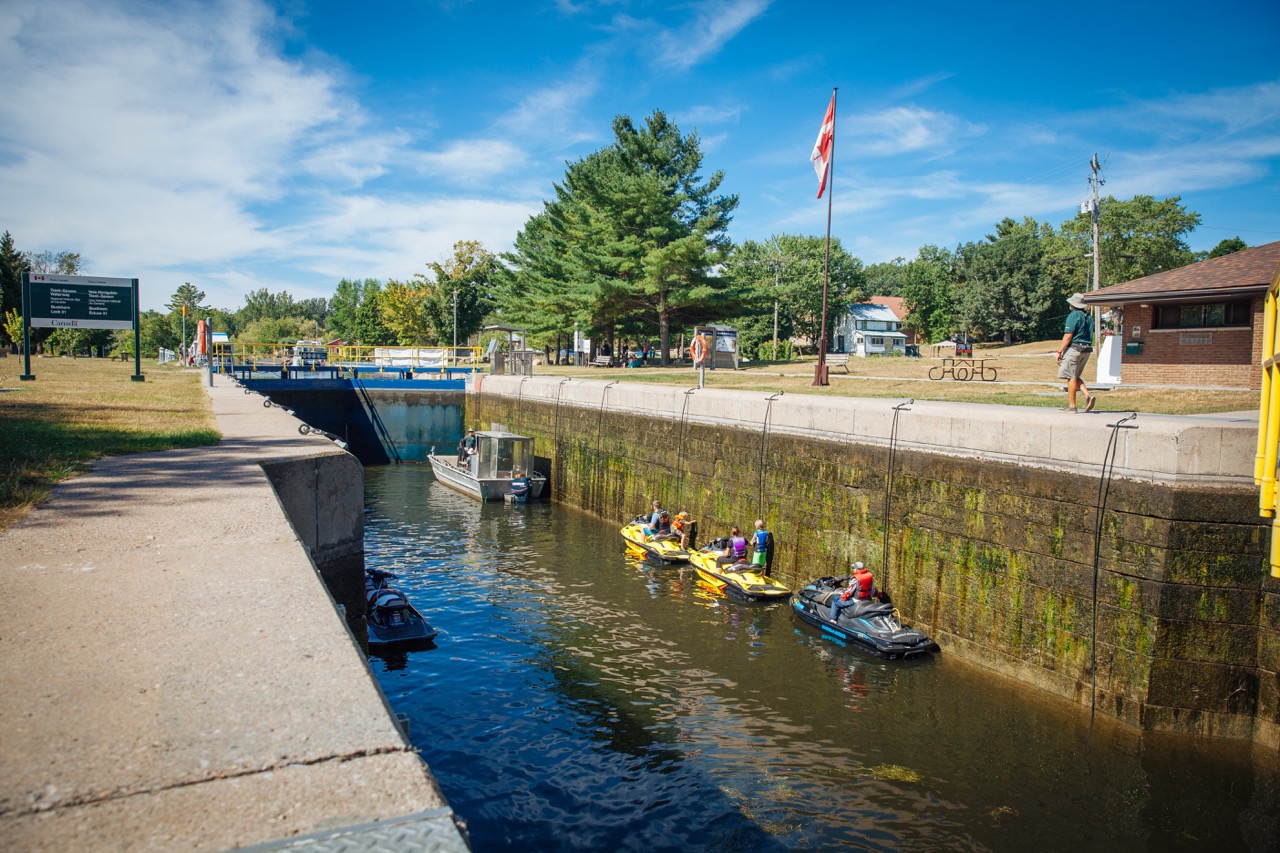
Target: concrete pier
[175, 675]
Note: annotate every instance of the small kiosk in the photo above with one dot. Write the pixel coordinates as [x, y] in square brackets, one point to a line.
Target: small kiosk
[719, 345]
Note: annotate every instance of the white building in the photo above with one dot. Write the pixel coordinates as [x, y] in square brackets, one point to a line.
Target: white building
[870, 330]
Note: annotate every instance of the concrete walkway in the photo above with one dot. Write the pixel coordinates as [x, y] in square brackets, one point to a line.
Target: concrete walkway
[173, 673]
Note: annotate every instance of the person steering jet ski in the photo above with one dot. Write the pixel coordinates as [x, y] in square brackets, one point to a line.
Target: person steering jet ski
[861, 587]
[659, 521]
[736, 550]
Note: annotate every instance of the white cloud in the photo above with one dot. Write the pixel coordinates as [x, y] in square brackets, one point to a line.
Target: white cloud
[1235, 110]
[553, 113]
[705, 114]
[902, 130]
[715, 23]
[469, 161]
[371, 236]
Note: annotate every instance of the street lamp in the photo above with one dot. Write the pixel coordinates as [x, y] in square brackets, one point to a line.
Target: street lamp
[455, 324]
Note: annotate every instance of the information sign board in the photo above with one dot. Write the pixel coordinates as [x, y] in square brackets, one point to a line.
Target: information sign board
[80, 302]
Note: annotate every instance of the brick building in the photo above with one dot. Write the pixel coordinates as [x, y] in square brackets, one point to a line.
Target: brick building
[1197, 325]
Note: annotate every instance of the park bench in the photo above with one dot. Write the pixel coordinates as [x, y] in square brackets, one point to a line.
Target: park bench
[838, 358]
[602, 361]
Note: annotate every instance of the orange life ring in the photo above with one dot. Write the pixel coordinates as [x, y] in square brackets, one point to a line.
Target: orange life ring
[698, 349]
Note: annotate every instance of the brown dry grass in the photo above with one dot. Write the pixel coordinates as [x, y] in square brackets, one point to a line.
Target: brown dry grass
[1026, 376]
[79, 410]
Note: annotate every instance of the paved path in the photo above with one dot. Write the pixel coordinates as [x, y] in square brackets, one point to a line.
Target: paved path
[173, 674]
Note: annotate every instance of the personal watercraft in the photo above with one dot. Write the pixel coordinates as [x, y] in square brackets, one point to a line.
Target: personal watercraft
[391, 618]
[737, 578]
[869, 624]
[661, 547]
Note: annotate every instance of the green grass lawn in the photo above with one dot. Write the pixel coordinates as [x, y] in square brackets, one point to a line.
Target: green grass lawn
[79, 410]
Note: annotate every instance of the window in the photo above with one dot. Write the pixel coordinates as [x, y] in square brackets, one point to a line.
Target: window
[1200, 315]
[877, 342]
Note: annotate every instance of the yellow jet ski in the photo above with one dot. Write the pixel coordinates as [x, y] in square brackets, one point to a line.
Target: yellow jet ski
[659, 548]
[739, 579]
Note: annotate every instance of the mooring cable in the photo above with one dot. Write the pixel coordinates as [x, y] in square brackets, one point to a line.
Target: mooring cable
[680, 449]
[1104, 487]
[604, 395]
[764, 439]
[888, 486]
[555, 438]
[519, 398]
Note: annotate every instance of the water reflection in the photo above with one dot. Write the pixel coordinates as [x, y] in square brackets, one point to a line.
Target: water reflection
[577, 700]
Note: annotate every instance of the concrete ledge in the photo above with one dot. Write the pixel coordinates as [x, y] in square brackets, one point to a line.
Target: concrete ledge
[175, 673]
[1217, 449]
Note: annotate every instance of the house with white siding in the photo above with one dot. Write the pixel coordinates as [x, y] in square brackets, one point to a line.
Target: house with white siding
[869, 329]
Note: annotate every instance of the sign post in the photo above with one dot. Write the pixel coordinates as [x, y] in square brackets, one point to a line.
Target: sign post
[79, 302]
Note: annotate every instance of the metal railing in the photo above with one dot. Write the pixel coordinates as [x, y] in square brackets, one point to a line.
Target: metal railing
[251, 358]
[1264, 466]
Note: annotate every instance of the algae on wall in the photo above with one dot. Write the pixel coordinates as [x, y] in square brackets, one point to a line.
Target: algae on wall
[995, 560]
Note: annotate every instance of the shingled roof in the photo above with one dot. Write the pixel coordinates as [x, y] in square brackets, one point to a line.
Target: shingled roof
[1239, 275]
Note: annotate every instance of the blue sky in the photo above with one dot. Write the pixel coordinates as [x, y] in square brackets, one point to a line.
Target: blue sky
[287, 145]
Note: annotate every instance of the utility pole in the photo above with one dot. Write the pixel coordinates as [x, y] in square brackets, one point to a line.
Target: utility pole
[1094, 182]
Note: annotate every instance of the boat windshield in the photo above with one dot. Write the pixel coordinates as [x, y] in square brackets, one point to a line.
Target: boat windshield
[501, 457]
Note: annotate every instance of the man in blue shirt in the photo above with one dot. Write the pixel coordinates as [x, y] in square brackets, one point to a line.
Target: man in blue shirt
[1073, 352]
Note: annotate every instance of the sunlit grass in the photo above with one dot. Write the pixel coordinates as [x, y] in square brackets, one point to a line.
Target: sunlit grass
[79, 410]
[1026, 376]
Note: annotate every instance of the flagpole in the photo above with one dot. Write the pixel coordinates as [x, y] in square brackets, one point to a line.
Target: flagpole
[820, 369]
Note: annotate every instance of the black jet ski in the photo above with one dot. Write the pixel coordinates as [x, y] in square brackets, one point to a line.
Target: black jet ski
[869, 624]
[391, 618]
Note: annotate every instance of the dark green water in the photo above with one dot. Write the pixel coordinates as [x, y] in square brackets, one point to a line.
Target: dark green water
[579, 701]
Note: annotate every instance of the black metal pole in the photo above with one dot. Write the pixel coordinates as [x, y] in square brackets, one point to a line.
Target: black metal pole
[137, 338]
[27, 375]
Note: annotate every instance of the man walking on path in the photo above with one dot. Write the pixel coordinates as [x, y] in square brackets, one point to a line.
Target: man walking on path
[1073, 353]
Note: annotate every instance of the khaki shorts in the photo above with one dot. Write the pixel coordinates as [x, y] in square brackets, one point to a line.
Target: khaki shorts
[1073, 362]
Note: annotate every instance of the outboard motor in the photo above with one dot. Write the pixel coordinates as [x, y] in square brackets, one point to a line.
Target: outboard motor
[520, 489]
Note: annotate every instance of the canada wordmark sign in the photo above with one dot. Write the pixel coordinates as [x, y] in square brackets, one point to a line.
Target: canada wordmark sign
[80, 302]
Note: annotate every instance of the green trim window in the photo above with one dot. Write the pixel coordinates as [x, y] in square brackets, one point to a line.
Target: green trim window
[1202, 315]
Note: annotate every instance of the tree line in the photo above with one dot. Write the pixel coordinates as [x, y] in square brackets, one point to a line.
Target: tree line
[634, 247]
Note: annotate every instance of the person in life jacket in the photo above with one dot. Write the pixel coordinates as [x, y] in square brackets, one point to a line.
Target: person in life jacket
[736, 550]
[659, 521]
[861, 581]
[683, 526]
[866, 582]
[762, 546]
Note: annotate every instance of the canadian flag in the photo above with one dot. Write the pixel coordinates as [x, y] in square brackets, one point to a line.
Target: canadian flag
[821, 156]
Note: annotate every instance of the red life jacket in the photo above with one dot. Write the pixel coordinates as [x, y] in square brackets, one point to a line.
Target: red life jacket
[866, 583]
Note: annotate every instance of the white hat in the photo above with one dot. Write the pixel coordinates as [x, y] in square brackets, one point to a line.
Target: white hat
[858, 565]
[1076, 300]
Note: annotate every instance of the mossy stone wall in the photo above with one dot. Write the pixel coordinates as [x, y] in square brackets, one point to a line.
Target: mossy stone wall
[994, 560]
